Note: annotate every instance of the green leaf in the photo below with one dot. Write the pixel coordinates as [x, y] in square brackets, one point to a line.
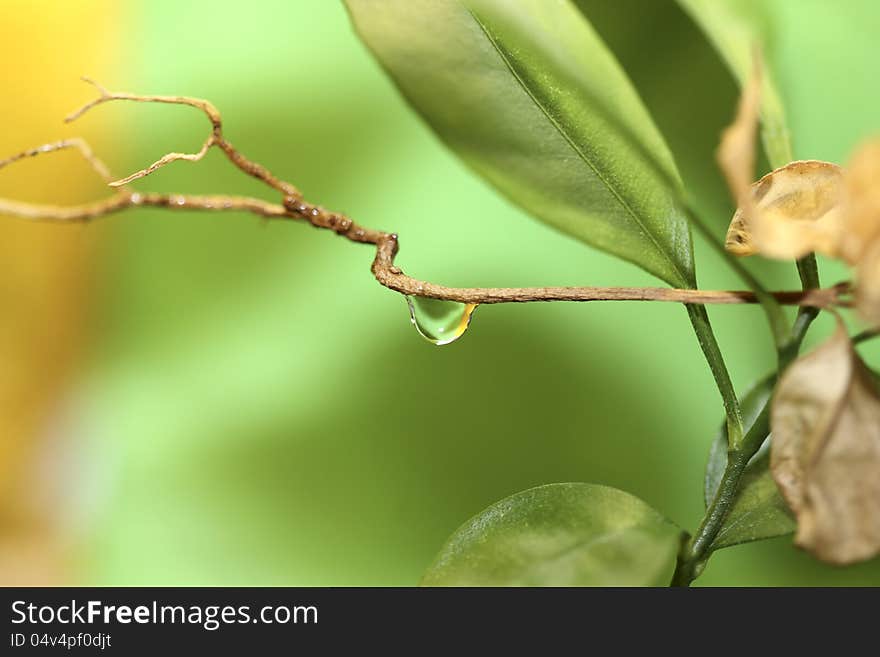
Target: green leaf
[529, 96]
[690, 67]
[758, 512]
[560, 535]
[737, 28]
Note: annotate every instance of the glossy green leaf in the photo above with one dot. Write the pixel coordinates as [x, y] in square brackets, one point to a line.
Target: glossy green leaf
[560, 535]
[759, 511]
[690, 67]
[529, 96]
[737, 28]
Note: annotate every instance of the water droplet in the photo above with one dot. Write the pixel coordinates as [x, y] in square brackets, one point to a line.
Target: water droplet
[439, 322]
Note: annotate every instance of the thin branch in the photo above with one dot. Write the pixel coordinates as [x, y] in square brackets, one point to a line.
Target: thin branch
[214, 139]
[391, 276]
[295, 207]
[76, 142]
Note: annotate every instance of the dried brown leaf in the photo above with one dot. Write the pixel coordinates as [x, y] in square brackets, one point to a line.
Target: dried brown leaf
[816, 206]
[862, 216]
[860, 240]
[825, 452]
[790, 212]
[868, 284]
[736, 152]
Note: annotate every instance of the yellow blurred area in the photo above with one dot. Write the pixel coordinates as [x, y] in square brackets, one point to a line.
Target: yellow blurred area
[206, 399]
[44, 269]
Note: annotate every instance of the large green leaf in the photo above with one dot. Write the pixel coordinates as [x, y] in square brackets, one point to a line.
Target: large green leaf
[560, 535]
[529, 96]
[737, 28]
[690, 67]
[758, 512]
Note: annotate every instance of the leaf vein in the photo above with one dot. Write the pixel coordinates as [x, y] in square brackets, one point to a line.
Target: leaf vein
[502, 54]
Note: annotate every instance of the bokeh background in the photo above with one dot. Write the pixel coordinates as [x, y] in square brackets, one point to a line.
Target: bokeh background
[193, 399]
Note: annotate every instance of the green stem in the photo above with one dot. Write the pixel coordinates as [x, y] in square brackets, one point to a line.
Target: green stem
[867, 334]
[782, 336]
[773, 311]
[695, 552]
[808, 271]
[697, 549]
[788, 352]
[706, 337]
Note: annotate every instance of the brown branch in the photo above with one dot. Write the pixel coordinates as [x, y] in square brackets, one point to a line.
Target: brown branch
[214, 139]
[75, 142]
[294, 206]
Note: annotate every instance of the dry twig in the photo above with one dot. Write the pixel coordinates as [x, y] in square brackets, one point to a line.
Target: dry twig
[294, 206]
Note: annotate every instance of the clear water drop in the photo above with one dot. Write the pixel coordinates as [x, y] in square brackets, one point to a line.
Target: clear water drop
[439, 322]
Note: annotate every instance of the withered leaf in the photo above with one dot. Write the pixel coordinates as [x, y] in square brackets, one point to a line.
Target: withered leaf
[825, 451]
[790, 212]
[862, 216]
[868, 287]
[736, 151]
[860, 241]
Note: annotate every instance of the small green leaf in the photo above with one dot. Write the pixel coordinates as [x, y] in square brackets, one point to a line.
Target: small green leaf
[530, 97]
[560, 535]
[758, 512]
[737, 28]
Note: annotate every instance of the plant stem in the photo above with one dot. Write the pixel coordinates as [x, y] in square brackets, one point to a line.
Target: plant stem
[775, 317]
[808, 271]
[867, 334]
[706, 337]
[788, 352]
[695, 552]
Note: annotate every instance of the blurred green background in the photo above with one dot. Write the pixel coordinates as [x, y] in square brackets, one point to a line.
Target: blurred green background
[251, 408]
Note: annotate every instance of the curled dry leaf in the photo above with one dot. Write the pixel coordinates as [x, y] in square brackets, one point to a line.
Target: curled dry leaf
[825, 452]
[860, 241]
[790, 212]
[811, 206]
[736, 152]
[868, 288]
[862, 212]
[805, 206]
